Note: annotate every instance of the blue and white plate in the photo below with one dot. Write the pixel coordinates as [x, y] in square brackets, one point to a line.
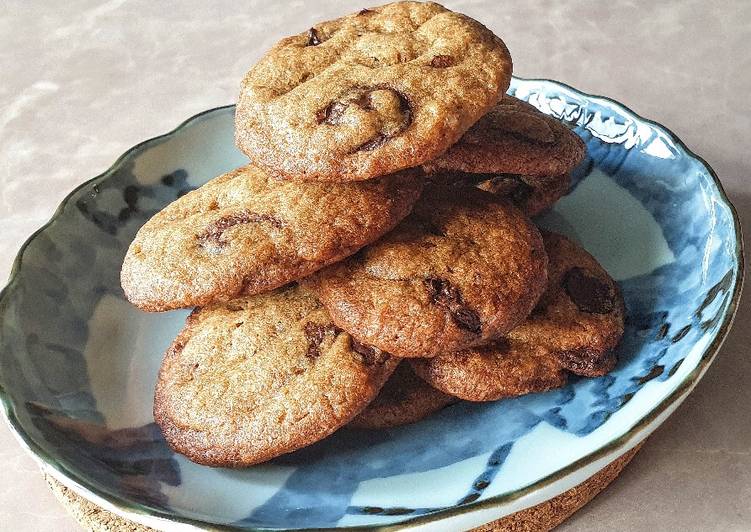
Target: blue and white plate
[78, 363]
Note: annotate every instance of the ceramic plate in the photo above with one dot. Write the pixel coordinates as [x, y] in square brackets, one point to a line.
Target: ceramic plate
[78, 363]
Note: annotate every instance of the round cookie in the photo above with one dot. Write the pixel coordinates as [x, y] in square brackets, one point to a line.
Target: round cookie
[247, 232]
[574, 328]
[262, 376]
[463, 268]
[355, 98]
[404, 399]
[514, 138]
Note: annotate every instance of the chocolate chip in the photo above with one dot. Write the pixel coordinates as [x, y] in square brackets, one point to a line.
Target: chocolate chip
[332, 113]
[313, 37]
[512, 186]
[442, 61]
[381, 138]
[365, 11]
[441, 292]
[587, 362]
[376, 142]
[467, 319]
[362, 97]
[315, 333]
[370, 355]
[212, 235]
[589, 293]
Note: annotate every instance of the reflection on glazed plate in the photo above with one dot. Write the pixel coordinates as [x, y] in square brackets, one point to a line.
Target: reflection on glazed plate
[78, 363]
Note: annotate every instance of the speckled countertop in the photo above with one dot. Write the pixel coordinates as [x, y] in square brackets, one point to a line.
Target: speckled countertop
[83, 81]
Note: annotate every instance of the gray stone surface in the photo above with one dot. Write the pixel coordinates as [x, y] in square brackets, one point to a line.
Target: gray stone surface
[81, 81]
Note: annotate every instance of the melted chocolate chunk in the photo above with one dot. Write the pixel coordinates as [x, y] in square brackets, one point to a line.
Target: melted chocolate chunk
[459, 179]
[313, 38]
[315, 333]
[444, 294]
[589, 293]
[440, 291]
[365, 11]
[370, 355]
[512, 186]
[213, 235]
[586, 362]
[467, 319]
[363, 98]
[376, 142]
[442, 61]
[332, 113]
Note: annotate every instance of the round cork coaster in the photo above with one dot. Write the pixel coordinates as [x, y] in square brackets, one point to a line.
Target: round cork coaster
[544, 516]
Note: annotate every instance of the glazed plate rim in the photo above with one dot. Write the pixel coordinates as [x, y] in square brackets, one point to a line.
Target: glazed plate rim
[616, 445]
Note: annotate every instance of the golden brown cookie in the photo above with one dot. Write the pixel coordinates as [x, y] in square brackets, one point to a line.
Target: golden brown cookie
[514, 137]
[574, 328]
[462, 269]
[262, 376]
[514, 151]
[371, 93]
[246, 232]
[404, 399]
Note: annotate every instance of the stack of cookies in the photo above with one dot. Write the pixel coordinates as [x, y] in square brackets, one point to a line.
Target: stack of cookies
[375, 261]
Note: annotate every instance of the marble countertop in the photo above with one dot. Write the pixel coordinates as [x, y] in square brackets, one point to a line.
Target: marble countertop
[84, 80]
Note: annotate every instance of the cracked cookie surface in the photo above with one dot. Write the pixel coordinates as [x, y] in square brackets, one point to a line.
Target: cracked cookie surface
[463, 268]
[574, 328]
[404, 399]
[246, 232]
[355, 98]
[514, 151]
[262, 376]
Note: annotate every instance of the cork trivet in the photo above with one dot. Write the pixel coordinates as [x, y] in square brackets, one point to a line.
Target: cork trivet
[549, 514]
[544, 516]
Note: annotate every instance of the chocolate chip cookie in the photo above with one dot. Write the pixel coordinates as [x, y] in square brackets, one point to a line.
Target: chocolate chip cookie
[514, 151]
[368, 94]
[574, 328]
[246, 232]
[262, 376]
[404, 399]
[462, 269]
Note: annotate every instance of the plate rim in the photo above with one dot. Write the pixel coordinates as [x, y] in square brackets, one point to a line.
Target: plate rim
[127, 509]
